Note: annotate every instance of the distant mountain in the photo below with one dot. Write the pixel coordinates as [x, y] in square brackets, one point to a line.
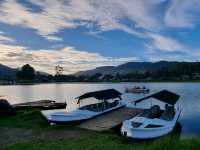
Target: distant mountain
[129, 67]
[6, 71]
[102, 70]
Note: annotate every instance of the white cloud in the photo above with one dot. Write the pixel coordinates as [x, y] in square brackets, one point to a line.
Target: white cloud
[104, 15]
[45, 23]
[4, 38]
[98, 16]
[70, 58]
[157, 57]
[58, 15]
[164, 43]
[53, 38]
[183, 13]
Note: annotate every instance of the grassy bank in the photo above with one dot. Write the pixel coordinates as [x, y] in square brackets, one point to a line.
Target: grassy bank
[28, 130]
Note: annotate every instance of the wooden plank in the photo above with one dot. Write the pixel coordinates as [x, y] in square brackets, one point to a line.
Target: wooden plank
[41, 104]
[110, 120]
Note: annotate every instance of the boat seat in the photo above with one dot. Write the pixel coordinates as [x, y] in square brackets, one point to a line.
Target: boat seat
[153, 112]
[136, 124]
[107, 105]
[100, 106]
[116, 102]
[168, 113]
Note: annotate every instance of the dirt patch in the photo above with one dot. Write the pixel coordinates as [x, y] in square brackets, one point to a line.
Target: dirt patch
[60, 134]
[14, 135]
[9, 136]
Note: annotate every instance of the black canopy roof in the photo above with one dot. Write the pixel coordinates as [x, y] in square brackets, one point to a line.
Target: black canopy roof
[164, 96]
[101, 95]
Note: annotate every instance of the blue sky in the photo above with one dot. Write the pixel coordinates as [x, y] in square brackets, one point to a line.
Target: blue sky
[84, 34]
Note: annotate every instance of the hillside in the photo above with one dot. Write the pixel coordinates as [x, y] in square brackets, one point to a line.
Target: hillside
[129, 67]
[7, 72]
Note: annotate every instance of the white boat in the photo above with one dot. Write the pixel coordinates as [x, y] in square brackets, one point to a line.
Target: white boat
[154, 122]
[109, 100]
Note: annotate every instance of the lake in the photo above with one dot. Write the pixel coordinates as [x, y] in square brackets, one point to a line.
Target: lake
[189, 101]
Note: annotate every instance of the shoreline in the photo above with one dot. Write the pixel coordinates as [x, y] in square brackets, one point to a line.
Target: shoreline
[106, 82]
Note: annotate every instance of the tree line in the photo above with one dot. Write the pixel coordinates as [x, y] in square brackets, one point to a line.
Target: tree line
[175, 72]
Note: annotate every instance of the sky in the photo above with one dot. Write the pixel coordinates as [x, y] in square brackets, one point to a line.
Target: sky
[85, 34]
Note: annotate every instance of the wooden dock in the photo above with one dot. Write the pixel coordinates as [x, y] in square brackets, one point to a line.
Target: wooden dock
[41, 104]
[110, 120]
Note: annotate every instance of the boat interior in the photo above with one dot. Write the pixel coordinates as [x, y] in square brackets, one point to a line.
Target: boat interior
[98, 107]
[155, 112]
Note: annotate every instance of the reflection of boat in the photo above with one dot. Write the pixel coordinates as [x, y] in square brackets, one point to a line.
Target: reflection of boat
[177, 130]
[137, 90]
[108, 100]
[153, 122]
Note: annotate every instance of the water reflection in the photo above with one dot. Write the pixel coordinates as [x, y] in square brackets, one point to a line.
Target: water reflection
[177, 130]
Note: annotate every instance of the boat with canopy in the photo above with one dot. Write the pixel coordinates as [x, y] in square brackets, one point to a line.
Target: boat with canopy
[153, 122]
[108, 100]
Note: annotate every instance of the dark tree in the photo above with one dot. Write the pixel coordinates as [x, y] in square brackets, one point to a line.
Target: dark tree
[107, 77]
[95, 77]
[118, 77]
[65, 78]
[81, 78]
[27, 72]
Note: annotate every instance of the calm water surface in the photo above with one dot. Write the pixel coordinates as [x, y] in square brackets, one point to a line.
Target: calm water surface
[189, 101]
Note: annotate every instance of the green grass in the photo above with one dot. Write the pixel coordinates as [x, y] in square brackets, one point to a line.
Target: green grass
[108, 142]
[31, 119]
[27, 119]
[89, 140]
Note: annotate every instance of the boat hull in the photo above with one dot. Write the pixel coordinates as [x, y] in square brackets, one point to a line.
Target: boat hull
[75, 116]
[146, 134]
[149, 133]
